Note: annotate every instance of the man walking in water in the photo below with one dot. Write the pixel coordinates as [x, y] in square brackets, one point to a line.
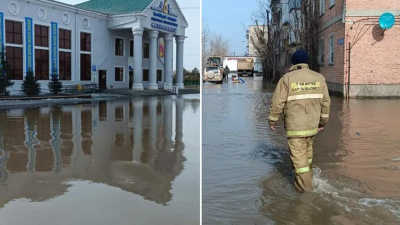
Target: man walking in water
[302, 95]
[226, 71]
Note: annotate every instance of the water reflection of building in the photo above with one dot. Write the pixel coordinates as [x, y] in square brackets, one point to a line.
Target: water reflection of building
[126, 144]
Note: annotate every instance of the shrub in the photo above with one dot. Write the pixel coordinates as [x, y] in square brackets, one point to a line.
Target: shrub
[55, 86]
[31, 87]
[5, 73]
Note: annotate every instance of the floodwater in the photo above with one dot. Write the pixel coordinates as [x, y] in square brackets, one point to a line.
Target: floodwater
[247, 175]
[133, 161]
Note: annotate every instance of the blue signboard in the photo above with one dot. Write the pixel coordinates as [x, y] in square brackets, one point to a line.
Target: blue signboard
[164, 18]
[29, 43]
[340, 41]
[1, 32]
[386, 21]
[54, 47]
[94, 68]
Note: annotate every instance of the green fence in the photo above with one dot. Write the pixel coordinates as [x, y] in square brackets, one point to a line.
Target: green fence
[191, 82]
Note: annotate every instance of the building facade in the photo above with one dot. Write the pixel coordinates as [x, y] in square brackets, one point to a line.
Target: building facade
[252, 39]
[114, 44]
[369, 69]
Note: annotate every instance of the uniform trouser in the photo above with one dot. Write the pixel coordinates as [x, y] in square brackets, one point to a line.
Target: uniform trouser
[301, 153]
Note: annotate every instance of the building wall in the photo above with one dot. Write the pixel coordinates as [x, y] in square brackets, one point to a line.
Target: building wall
[373, 73]
[253, 35]
[103, 41]
[331, 24]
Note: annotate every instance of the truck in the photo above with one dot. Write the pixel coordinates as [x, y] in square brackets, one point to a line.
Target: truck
[213, 61]
[243, 66]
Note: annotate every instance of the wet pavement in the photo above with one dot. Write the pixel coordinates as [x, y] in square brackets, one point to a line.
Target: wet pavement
[127, 161]
[247, 175]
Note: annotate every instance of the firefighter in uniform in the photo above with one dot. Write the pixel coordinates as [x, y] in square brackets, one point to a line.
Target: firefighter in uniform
[302, 95]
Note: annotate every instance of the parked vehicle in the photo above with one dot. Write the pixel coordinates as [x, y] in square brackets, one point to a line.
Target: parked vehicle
[213, 74]
[214, 61]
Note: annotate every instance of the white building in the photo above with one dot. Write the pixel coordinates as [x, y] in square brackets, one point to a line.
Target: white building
[253, 39]
[98, 41]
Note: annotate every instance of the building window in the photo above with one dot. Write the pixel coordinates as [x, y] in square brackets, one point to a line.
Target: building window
[65, 65]
[41, 64]
[145, 75]
[119, 47]
[321, 7]
[64, 54]
[41, 52]
[331, 49]
[86, 42]
[321, 52]
[146, 50]
[64, 39]
[119, 74]
[14, 49]
[131, 54]
[86, 56]
[332, 3]
[14, 59]
[41, 36]
[13, 32]
[159, 75]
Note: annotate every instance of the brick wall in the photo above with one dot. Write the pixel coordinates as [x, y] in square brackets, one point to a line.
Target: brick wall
[331, 23]
[375, 57]
[373, 4]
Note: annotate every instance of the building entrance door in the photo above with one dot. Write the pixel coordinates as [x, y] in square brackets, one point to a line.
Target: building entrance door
[130, 79]
[102, 79]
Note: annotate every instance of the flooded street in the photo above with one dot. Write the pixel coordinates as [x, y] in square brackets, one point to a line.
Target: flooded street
[133, 161]
[247, 175]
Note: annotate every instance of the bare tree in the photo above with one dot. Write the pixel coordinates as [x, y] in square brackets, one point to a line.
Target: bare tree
[205, 39]
[212, 44]
[275, 43]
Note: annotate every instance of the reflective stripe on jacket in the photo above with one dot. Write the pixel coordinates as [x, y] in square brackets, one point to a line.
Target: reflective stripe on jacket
[302, 95]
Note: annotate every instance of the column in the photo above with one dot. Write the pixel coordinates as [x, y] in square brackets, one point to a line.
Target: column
[138, 58]
[179, 61]
[153, 35]
[137, 129]
[168, 59]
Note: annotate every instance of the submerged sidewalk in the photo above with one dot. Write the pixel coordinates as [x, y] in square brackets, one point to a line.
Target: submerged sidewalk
[66, 99]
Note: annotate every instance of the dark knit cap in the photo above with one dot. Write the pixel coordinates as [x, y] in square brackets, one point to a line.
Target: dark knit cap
[300, 56]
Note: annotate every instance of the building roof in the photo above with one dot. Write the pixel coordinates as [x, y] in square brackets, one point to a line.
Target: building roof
[115, 6]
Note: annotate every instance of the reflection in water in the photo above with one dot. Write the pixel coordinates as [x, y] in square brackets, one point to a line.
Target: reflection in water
[125, 144]
[248, 175]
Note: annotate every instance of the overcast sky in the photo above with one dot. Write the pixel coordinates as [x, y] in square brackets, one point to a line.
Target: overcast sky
[191, 10]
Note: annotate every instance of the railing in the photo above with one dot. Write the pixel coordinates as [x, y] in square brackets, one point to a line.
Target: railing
[171, 88]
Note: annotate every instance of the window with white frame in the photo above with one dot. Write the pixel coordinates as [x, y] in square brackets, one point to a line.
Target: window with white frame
[14, 49]
[321, 7]
[332, 3]
[119, 47]
[321, 52]
[331, 49]
[131, 53]
[86, 56]
[119, 73]
[64, 40]
[41, 52]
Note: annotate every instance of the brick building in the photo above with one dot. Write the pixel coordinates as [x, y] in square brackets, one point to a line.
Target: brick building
[374, 59]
